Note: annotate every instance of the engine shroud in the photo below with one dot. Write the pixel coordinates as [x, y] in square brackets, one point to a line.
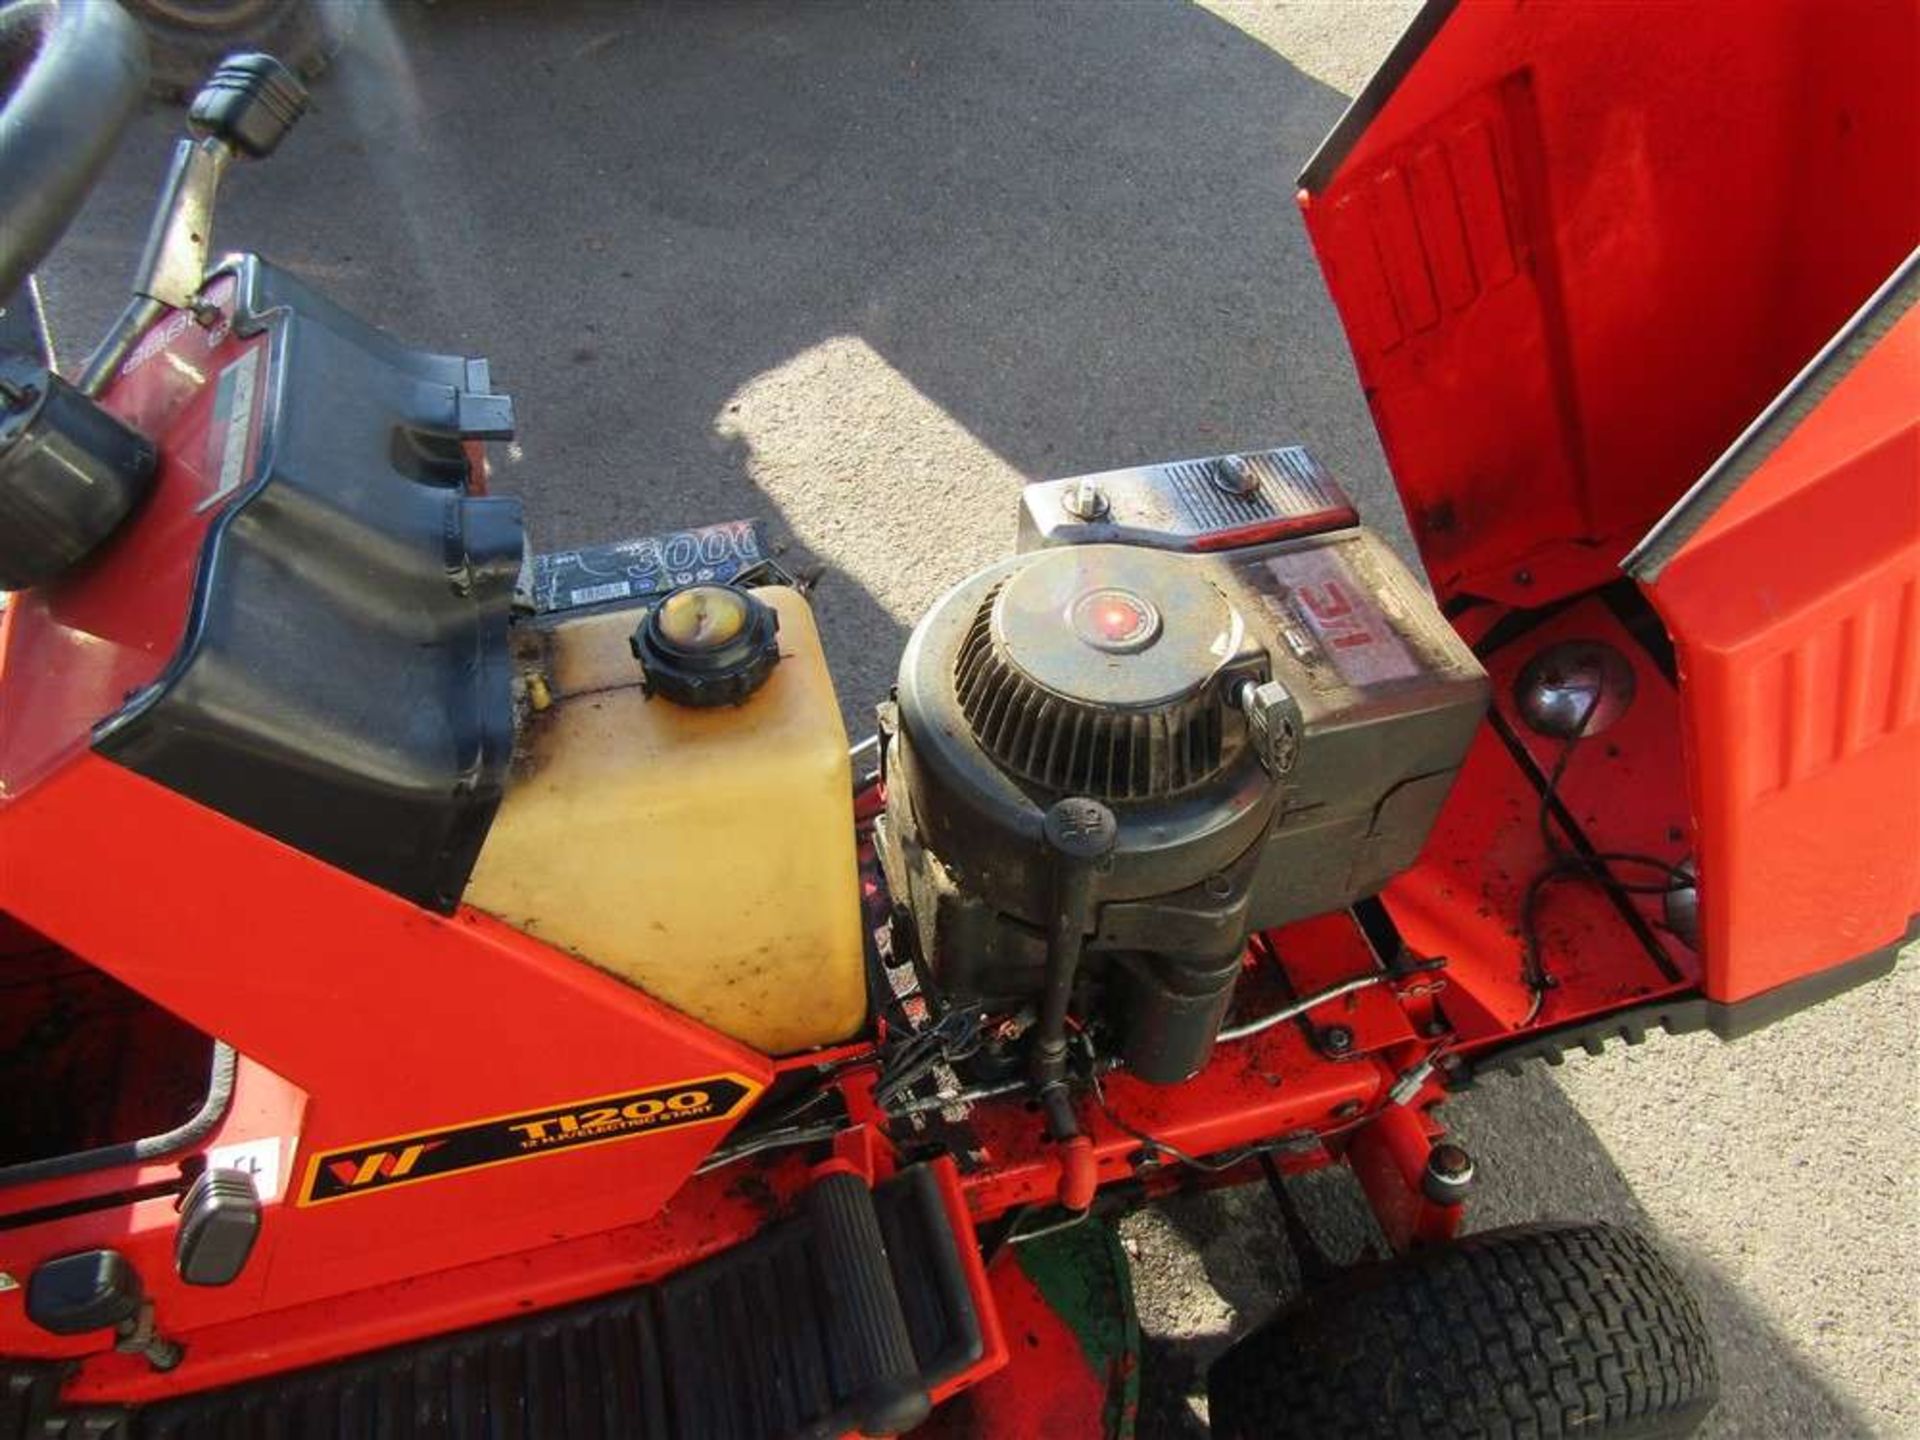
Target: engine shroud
[1119, 672]
[1096, 672]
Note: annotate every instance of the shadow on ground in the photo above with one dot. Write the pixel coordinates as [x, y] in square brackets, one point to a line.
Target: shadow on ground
[1074, 243]
[862, 269]
[1537, 1160]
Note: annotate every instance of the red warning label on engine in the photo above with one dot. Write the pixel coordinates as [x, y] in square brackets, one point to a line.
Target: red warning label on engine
[1344, 617]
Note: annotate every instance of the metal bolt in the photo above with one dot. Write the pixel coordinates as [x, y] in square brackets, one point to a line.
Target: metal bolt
[1085, 500]
[1407, 1084]
[1272, 713]
[1347, 1109]
[1232, 475]
[1336, 1040]
[1449, 1174]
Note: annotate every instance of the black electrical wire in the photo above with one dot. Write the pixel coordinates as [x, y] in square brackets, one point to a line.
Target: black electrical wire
[1212, 1165]
[741, 1148]
[1564, 864]
[1227, 1159]
[954, 1036]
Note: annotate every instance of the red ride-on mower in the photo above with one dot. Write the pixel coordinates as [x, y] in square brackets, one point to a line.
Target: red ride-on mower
[453, 990]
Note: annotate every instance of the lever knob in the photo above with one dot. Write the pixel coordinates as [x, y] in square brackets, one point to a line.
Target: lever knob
[250, 102]
[92, 1290]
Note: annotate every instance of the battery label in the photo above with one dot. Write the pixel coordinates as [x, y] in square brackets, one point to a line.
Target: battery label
[651, 565]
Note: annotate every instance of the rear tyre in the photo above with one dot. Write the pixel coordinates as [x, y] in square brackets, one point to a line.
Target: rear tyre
[1537, 1331]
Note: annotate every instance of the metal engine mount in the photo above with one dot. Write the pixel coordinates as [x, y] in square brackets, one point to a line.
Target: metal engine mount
[1266, 700]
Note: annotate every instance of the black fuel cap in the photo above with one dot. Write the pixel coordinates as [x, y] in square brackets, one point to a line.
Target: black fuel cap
[707, 645]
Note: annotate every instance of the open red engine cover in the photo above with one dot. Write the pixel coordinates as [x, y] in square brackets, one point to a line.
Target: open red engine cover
[1577, 250]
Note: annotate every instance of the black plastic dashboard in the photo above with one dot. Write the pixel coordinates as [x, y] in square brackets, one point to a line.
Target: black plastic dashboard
[343, 683]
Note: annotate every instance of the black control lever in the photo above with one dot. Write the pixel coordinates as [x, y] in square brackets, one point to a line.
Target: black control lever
[1079, 835]
[244, 111]
[248, 105]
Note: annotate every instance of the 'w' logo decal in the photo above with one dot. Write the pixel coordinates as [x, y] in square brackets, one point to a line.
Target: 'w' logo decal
[355, 1171]
[390, 1161]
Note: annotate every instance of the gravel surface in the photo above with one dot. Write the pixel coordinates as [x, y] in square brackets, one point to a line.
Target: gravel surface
[861, 270]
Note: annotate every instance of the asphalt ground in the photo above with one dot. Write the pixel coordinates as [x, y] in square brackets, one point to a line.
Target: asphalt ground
[863, 269]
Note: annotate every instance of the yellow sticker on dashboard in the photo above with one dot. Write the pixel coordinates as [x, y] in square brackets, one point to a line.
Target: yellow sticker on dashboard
[378, 1165]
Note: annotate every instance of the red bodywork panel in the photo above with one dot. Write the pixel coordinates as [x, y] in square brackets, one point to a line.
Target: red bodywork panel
[362, 1019]
[1625, 790]
[1577, 250]
[391, 1019]
[110, 629]
[1796, 611]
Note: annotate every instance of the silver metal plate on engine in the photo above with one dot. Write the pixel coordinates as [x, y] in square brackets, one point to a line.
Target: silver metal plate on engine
[1211, 503]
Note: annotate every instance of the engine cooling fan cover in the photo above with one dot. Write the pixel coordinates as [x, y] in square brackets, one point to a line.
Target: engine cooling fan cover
[1094, 671]
[1104, 671]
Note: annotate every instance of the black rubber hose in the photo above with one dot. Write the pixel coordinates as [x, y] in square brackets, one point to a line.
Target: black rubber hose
[73, 73]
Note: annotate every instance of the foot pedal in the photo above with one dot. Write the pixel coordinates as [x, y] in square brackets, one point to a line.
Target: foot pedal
[806, 1332]
[842, 1317]
[870, 1346]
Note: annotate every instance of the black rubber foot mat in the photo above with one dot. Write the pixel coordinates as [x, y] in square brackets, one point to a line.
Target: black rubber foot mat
[838, 1318]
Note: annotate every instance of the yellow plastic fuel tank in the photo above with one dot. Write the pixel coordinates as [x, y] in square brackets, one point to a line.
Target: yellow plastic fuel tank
[706, 856]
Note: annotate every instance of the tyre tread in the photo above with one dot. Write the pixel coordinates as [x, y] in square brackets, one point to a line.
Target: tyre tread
[1540, 1332]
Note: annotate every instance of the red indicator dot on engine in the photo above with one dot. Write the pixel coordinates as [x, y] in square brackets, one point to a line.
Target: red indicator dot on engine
[1115, 620]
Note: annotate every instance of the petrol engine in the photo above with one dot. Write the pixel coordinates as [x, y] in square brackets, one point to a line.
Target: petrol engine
[1200, 700]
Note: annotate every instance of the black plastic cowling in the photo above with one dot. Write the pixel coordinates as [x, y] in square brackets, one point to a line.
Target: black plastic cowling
[69, 474]
[344, 686]
[843, 1317]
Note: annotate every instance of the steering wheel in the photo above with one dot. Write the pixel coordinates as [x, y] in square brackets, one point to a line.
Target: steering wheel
[72, 72]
